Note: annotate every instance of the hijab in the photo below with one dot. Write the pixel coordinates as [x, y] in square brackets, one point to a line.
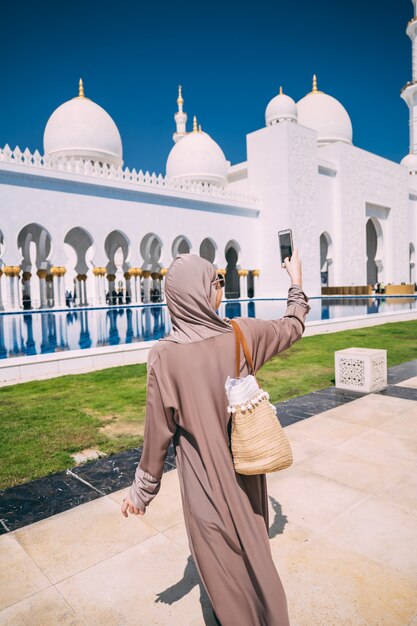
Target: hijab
[191, 300]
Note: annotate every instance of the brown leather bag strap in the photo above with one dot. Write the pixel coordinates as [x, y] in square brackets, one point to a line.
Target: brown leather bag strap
[237, 348]
[240, 339]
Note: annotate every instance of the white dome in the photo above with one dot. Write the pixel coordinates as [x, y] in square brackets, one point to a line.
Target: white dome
[325, 114]
[410, 162]
[82, 129]
[197, 158]
[280, 108]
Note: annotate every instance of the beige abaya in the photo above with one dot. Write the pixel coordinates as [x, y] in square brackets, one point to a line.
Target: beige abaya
[226, 514]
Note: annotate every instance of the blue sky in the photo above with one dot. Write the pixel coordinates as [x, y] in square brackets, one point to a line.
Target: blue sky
[230, 57]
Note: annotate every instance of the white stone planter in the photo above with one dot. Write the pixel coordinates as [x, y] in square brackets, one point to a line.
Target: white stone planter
[361, 369]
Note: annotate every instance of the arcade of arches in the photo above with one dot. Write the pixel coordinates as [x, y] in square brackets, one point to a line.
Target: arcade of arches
[79, 280]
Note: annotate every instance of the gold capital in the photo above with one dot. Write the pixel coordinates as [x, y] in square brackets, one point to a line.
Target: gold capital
[58, 270]
[99, 271]
[11, 270]
[135, 271]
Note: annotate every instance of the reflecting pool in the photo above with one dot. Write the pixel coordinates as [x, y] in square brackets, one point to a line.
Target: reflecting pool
[25, 334]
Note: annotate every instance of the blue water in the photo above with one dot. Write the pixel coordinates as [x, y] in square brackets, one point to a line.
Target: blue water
[26, 334]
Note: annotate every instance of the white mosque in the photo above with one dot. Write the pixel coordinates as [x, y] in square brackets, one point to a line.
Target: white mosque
[77, 219]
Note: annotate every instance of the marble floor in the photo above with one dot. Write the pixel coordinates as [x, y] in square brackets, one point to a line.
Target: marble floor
[343, 535]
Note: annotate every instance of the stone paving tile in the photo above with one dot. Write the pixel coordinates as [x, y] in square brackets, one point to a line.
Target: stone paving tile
[77, 539]
[378, 446]
[309, 499]
[19, 575]
[381, 530]
[352, 471]
[154, 582]
[45, 608]
[328, 584]
[327, 430]
[401, 489]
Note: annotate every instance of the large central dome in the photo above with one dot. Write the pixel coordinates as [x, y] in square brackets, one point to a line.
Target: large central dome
[82, 129]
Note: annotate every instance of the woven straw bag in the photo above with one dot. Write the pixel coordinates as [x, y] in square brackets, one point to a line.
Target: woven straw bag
[259, 444]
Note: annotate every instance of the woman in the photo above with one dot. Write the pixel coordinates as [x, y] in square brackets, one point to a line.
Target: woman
[226, 514]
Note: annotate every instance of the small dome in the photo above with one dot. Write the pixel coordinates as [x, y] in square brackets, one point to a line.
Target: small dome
[280, 108]
[326, 115]
[410, 162]
[82, 129]
[197, 158]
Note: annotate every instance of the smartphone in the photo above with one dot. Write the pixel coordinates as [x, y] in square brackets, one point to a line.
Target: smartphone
[286, 245]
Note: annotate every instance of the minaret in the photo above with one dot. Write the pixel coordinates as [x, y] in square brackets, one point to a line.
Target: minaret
[409, 91]
[180, 118]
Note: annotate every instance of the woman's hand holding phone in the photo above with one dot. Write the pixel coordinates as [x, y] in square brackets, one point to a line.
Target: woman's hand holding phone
[293, 268]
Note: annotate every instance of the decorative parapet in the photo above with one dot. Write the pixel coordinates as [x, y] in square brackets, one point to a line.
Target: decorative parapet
[112, 173]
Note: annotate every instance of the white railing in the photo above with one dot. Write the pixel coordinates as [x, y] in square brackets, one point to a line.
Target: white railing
[110, 172]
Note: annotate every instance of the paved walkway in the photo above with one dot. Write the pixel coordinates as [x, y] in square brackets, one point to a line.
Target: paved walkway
[343, 537]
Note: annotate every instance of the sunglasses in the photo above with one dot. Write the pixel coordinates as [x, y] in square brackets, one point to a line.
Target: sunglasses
[220, 279]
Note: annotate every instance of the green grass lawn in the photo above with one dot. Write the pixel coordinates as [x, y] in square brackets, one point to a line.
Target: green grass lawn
[43, 422]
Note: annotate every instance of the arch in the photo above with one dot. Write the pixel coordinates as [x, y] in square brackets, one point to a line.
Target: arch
[232, 284]
[180, 245]
[42, 239]
[151, 250]
[80, 241]
[35, 244]
[117, 248]
[208, 249]
[374, 251]
[326, 260]
[412, 264]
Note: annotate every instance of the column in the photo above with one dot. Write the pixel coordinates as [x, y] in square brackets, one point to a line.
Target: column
[242, 283]
[35, 298]
[146, 286]
[11, 293]
[111, 279]
[1, 299]
[49, 290]
[100, 285]
[156, 285]
[164, 272]
[83, 289]
[255, 274]
[26, 291]
[41, 274]
[58, 273]
[135, 274]
[128, 292]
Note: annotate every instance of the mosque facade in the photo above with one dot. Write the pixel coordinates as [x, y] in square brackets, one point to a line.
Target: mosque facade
[76, 219]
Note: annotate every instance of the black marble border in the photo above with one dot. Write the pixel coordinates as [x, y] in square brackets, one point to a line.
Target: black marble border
[41, 498]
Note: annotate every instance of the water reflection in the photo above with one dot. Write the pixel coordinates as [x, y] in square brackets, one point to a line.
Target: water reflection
[42, 333]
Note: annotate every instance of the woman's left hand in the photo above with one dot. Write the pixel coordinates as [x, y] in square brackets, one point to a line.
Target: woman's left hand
[129, 507]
